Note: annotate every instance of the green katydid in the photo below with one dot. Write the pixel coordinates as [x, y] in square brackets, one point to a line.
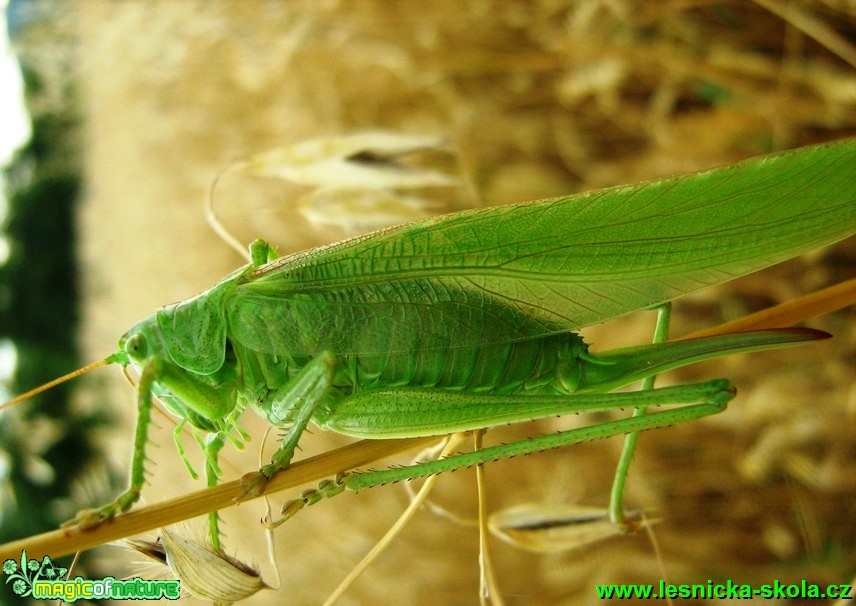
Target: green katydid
[467, 321]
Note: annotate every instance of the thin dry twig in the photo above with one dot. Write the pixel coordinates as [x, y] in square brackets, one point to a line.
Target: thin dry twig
[68, 540]
[816, 304]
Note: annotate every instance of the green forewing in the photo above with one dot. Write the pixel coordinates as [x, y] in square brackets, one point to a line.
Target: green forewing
[509, 273]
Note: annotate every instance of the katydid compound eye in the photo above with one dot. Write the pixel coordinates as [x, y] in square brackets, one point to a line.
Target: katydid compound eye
[136, 346]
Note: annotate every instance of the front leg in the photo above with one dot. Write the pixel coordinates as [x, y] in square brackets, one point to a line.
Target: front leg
[213, 444]
[297, 402]
[90, 518]
[261, 253]
[198, 397]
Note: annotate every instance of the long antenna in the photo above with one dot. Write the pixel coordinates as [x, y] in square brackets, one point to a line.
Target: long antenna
[112, 359]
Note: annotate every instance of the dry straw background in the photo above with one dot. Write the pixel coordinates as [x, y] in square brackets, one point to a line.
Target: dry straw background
[536, 99]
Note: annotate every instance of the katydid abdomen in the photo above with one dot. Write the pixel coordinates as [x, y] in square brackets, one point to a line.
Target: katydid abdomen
[393, 395]
[543, 365]
[548, 365]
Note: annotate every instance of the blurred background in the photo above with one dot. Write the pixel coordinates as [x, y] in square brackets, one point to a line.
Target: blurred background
[137, 107]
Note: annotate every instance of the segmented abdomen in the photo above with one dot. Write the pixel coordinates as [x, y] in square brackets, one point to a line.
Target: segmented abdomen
[547, 364]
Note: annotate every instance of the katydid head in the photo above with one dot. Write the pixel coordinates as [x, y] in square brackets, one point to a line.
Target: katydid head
[141, 343]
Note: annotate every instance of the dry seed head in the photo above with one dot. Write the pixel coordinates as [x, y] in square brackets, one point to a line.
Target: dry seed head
[356, 210]
[367, 159]
[203, 572]
[551, 528]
